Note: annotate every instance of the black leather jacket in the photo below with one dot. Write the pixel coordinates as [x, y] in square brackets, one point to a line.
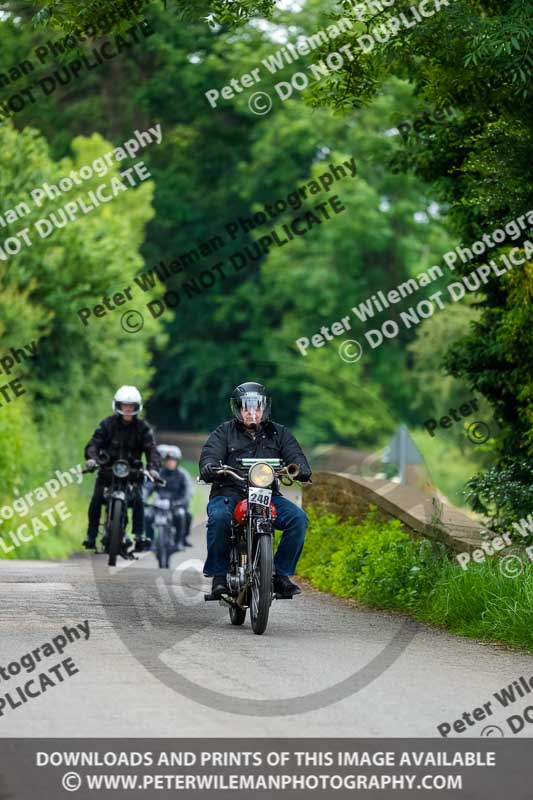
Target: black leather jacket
[231, 441]
[121, 440]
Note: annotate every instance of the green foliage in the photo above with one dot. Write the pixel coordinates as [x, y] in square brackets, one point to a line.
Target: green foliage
[215, 165]
[76, 372]
[69, 13]
[476, 165]
[482, 602]
[504, 492]
[245, 162]
[378, 563]
[374, 561]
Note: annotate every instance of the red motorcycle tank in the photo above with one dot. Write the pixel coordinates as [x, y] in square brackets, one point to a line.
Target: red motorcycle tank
[241, 511]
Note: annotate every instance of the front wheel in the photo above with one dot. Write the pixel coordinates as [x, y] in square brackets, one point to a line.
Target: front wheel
[162, 548]
[114, 532]
[261, 589]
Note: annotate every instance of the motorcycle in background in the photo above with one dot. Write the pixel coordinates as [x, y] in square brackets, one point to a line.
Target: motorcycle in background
[127, 477]
[165, 536]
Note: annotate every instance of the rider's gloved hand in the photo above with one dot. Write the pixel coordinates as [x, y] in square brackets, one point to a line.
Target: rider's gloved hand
[154, 474]
[208, 473]
[90, 464]
[303, 476]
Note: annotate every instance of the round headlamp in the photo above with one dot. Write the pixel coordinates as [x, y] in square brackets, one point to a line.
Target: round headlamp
[261, 475]
[121, 469]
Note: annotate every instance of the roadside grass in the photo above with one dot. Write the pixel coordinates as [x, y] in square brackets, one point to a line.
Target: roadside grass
[378, 563]
[482, 602]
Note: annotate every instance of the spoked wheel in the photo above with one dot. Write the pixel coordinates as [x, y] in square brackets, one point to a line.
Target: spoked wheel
[237, 615]
[261, 589]
[115, 532]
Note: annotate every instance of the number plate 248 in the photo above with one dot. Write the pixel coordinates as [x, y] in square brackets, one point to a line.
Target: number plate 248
[261, 496]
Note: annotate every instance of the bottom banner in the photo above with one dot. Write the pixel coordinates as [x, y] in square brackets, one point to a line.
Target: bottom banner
[263, 768]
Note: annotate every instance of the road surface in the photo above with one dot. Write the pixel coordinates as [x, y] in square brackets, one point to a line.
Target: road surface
[160, 661]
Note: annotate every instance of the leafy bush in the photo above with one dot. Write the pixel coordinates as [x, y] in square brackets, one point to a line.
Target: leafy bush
[504, 492]
[379, 563]
[375, 560]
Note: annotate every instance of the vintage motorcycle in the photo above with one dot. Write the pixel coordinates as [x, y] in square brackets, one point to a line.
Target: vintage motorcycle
[165, 536]
[251, 539]
[127, 477]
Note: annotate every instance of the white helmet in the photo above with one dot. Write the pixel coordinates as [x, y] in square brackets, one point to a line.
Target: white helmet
[169, 451]
[130, 395]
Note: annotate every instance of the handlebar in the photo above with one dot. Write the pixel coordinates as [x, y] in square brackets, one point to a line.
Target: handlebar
[159, 481]
[229, 471]
[287, 474]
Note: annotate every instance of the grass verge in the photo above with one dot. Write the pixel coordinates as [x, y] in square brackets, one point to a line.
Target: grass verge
[378, 563]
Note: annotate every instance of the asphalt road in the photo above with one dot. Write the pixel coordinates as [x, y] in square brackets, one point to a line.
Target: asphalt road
[160, 661]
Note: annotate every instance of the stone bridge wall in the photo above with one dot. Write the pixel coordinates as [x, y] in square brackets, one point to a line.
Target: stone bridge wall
[422, 514]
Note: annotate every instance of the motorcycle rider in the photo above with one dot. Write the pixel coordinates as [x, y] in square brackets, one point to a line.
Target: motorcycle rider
[122, 435]
[178, 489]
[251, 434]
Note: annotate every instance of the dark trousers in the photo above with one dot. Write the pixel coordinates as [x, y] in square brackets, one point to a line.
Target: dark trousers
[291, 519]
[95, 510]
[182, 521]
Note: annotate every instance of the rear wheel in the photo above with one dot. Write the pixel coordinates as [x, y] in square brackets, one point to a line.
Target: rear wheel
[261, 589]
[115, 532]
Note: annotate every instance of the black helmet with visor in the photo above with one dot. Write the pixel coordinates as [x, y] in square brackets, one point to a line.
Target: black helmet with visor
[252, 399]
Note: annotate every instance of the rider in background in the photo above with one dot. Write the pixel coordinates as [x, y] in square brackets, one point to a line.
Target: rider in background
[179, 489]
[251, 435]
[121, 436]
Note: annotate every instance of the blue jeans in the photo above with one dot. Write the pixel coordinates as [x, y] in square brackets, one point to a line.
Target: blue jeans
[291, 520]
